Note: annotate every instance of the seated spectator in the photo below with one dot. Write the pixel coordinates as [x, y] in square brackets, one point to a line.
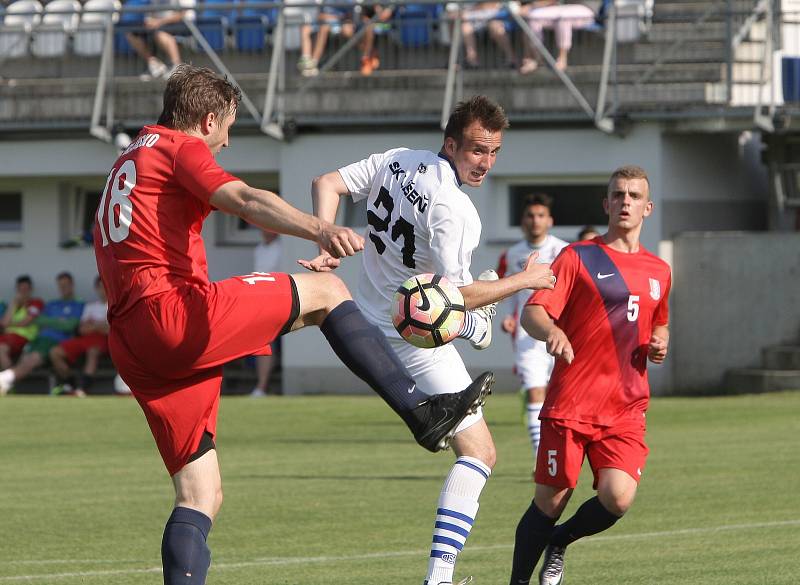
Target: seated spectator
[481, 16]
[92, 340]
[18, 322]
[369, 53]
[588, 233]
[159, 28]
[340, 17]
[57, 323]
[561, 17]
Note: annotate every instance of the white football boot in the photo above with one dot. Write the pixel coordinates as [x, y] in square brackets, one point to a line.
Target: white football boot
[552, 572]
[462, 582]
[486, 312]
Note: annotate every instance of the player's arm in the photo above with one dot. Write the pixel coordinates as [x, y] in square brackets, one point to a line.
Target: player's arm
[268, 211]
[533, 276]
[541, 326]
[325, 194]
[659, 344]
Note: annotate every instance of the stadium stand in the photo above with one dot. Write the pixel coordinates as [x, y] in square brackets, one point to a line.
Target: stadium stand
[95, 17]
[18, 21]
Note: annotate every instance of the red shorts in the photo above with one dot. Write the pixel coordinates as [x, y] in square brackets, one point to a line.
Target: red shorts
[170, 350]
[77, 346]
[14, 342]
[564, 444]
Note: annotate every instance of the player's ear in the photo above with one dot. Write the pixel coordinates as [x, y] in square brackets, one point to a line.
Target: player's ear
[605, 204]
[648, 208]
[209, 123]
[450, 146]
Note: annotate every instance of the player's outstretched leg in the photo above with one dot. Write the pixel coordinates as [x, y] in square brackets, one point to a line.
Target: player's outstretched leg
[477, 327]
[362, 347]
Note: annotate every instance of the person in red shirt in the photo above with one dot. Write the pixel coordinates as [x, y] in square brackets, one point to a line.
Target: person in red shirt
[172, 329]
[606, 316]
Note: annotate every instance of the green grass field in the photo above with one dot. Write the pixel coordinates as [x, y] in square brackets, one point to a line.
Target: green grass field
[333, 490]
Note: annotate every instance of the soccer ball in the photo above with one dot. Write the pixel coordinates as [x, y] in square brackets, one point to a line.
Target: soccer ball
[428, 310]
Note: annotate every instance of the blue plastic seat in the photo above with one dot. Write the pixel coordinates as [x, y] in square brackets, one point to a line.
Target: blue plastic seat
[414, 22]
[128, 22]
[252, 26]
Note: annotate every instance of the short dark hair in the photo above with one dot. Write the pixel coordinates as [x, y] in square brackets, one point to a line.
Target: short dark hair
[481, 108]
[65, 274]
[630, 172]
[194, 92]
[537, 199]
[24, 278]
[587, 229]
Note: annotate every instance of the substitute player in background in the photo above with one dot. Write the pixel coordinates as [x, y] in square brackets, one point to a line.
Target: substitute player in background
[420, 221]
[605, 318]
[171, 329]
[532, 363]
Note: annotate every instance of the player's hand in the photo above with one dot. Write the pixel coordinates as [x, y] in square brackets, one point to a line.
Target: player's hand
[322, 263]
[509, 324]
[151, 22]
[657, 350]
[339, 241]
[539, 275]
[559, 346]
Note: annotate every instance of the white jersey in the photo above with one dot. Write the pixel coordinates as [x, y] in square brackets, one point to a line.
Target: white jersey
[515, 258]
[419, 222]
[95, 311]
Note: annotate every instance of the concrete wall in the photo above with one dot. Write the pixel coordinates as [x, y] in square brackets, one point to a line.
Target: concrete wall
[733, 294]
[38, 166]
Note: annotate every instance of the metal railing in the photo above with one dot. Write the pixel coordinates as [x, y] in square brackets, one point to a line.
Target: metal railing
[631, 62]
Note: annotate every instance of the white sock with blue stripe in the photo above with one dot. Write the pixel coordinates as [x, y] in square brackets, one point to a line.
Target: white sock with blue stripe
[534, 425]
[474, 327]
[455, 514]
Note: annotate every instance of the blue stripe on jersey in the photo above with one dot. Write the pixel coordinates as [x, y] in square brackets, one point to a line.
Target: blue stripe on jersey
[452, 528]
[454, 514]
[472, 466]
[615, 294]
[448, 541]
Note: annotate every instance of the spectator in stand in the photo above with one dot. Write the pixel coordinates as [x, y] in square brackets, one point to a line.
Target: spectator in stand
[588, 233]
[92, 340]
[486, 15]
[330, 18]
[160, 27]
[57, 323]
[562, 17]
[369, 52]
[267, 258]
[18, 321]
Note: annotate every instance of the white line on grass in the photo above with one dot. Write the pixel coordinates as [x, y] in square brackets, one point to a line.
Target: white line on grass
[378, 555]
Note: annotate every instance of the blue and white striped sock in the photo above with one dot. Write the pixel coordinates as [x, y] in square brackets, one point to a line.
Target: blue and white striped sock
[534, 425]
[455, 514]
[474, 327]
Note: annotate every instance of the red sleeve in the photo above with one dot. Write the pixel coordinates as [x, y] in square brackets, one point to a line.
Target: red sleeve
[565, 268]
[35, 307]
[502, 264]
[197, 171]
[661, 316]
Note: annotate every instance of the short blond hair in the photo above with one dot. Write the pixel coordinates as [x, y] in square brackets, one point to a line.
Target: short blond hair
[629, 172]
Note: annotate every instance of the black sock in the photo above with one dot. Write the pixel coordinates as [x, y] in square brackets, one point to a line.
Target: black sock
[363, 348]
[184, 553]
[533, 534]
[591, 518]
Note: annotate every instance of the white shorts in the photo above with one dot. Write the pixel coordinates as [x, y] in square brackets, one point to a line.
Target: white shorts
[436, 371]
[532, 362]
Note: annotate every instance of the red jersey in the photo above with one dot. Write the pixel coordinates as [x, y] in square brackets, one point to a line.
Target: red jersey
[147, 236]
[607, 302]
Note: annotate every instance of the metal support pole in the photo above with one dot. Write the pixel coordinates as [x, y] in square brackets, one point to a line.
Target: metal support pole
[269, 127]
[452, 67]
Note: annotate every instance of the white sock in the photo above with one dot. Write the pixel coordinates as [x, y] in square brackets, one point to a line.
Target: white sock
[534, 425]
[474, 327]
[455, 514]
[7, 378]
